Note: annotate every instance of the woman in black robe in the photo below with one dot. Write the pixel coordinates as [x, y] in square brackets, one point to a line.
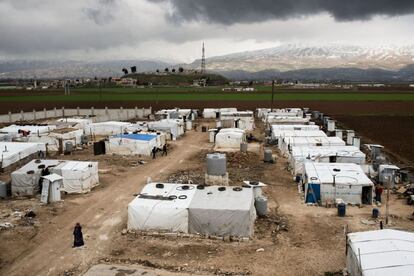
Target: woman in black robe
[77, 236]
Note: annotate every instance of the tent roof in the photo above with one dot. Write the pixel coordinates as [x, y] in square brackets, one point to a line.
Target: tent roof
[301, 133]
[138, 136]
[349, 174]
[211, 198]
[326, 141]
[14, 148]
[384, 252]
[295, 127]
[315, 151]
[31, 128]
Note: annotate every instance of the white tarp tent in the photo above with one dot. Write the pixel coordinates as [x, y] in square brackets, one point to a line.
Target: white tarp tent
[26, 180]
[331, 181]
[329, 154]
[52, 139]
[78, 177]
[239, 119]
[380, 253]
[278, 130]
[12, 152]
[132, 144]
[32, 129]
[79, 123]
[222, 213]
[161, 207]
[214, 113]
[171, 126]
[230, 138]
[106, 128]
[289, 142]
[280, 120]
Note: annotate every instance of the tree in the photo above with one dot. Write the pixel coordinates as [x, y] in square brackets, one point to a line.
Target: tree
[181, 69]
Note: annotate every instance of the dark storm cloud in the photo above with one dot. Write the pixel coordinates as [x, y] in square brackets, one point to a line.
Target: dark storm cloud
[102, 13]
[247, 11]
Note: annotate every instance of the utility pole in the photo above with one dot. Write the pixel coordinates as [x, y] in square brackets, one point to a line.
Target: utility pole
[273, 93]
[387, 205]
[100, 90]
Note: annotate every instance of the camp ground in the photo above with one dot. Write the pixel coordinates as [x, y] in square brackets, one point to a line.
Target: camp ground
[324, 154]
[326, 182]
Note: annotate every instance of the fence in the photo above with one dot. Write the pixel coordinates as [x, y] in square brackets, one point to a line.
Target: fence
[97, 115]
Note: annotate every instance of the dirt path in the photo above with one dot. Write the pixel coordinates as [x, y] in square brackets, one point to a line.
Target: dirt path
[102, 214]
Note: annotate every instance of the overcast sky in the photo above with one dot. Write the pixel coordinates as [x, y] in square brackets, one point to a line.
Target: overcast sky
[173, 30]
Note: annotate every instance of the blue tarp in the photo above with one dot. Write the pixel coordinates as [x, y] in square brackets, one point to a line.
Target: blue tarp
[142, 137]
[314, 193]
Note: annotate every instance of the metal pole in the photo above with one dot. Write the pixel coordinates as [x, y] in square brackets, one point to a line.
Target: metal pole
[273, 92]
[387, 207]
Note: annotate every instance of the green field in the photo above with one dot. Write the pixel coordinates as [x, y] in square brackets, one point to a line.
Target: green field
[198, 94]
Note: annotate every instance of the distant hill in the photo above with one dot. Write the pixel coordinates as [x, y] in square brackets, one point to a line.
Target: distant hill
[178, 78]
[74, 69]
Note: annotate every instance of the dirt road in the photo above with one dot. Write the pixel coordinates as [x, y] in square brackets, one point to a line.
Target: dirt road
[102, 214]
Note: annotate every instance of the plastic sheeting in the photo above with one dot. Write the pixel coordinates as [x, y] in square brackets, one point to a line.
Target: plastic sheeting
[33, 129]
[286, 143]
[230, 138]
[79, 123]
[161, 209]
[174, 127]
[132, 144]
[380, 252]
[222, 213]
[52, 139]
[106, 128]
[78, 177]
[12, 152]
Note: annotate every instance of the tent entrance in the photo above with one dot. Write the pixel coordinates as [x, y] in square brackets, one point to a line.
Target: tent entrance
[313, 193]
[366, 196]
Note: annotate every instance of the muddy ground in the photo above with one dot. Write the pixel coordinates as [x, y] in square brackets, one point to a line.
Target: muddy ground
[294, 239]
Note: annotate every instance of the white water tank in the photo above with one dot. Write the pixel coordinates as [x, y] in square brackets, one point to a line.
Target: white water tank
[331, 125]
[356, 142]
[261, 206]
[339, 133]
[216, 164]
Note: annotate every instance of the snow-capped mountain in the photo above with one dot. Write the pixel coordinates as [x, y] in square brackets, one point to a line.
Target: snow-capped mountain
[289, 57]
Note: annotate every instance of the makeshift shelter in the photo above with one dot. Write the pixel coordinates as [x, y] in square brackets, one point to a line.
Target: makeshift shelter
[13, 152]
[161, 207]
[387, 174]
[239, 119]
[324, 154]
[28, 129]
[380, 253]
[26, 180]
[132, 144]
[57, 139]
[230, 138]
[330, 181]
[286, 120]
[222, 211]
[214, 113]
[51, 187]
[106, 128]
[278, 130]
[78, 123]
[174, 127]
[78, 177]
[289, 142]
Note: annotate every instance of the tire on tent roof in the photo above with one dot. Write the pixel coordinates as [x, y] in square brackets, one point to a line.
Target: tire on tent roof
[185, 187]
[237, 189]
[221, 189]
[254, 183]
[41, 166]
[182, 197]
[30, 172]
[38, 161]
[159, 186]
[200, 187]
[172, 197]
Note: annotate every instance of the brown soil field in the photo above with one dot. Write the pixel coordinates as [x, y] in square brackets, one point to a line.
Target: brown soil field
[330, 107]
[396, 133]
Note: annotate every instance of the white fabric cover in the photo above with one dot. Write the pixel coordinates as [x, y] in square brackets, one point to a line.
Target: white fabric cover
[12, 152]
[52, 139]
[79, 123]
[289, 142]
[348, 181]
[24, 184]
[222, 213]
[174, 127]
[78, 177]
[380, 253]
[125, 146]
[230, 138]
[106, 128]
[161, 214]
[13, 129]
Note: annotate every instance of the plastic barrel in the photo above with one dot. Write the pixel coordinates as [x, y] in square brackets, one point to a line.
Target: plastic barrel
[341, 209]
[375, 213]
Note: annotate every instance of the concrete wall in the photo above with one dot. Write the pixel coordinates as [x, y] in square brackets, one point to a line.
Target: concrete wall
[97, 115]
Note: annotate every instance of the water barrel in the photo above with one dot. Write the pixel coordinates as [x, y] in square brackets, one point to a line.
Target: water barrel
[69, 147]
[216, 164]
[84, 139]
[203, 129]
[375, 213]
[243, 147]
[268, 155]
[341, 209]
[261, 206]
[3, 190]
